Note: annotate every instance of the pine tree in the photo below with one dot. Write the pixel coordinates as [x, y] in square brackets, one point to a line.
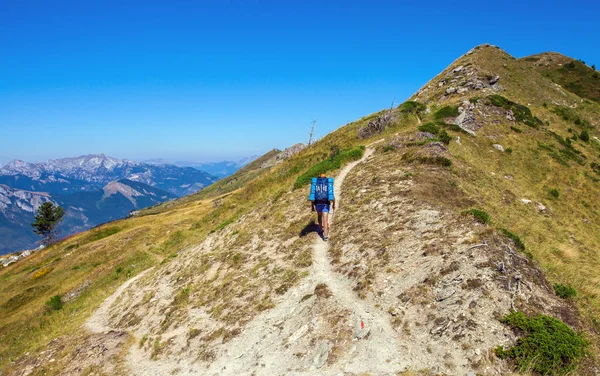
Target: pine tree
[46, 220]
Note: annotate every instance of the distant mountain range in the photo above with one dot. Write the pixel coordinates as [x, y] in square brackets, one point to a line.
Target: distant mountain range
[219, 169]
[92, 188]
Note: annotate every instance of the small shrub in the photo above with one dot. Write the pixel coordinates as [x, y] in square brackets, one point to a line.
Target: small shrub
[518, 243]
[518, 130]
[446, 112]
[585, 136]
[474, 100]
[548, 345]
[564, 292]
[435, 129]
[508, 150]
[429, 127]
[387, 148]
[480, 215]
[555, 193]
[55, 303]
[412, 107]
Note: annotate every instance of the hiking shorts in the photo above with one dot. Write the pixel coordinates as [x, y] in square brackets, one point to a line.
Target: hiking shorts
[322, 208]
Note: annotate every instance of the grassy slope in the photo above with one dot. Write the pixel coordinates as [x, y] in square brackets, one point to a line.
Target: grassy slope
[565, 241]
[571, 74]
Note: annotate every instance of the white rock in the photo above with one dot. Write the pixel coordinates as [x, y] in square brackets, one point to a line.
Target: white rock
[498, 147]
[525, 201]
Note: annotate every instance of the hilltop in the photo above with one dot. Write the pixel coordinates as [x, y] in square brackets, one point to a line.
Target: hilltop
[467, 224]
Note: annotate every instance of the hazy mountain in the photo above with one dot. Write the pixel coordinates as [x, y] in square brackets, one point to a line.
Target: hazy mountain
[92, 172]
[92, 188]
[84, 209]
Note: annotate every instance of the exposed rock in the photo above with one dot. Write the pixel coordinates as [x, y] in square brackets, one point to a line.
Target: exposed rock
[510, 115]
[493, 80]
[526, 201]
[540, 207]
[289, 152]
[321, 354]
[462, 90]
[450, 90]
[466, 118]
[498, 147]
[457, 69]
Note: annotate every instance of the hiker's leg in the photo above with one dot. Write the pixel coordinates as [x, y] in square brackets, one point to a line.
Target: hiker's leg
[320, 216]
[325, 224]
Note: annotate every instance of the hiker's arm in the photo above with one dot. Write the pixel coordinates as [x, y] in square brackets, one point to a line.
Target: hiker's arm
[333, 204]
[312, 205]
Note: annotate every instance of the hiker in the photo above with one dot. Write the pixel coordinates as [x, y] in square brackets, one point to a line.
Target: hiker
[323, 201]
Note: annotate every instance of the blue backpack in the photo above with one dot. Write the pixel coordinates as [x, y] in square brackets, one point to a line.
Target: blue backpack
[321, 190]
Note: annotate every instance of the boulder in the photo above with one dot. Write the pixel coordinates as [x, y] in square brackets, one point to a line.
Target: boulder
[498, 147]
[494, 79]
[450, 90]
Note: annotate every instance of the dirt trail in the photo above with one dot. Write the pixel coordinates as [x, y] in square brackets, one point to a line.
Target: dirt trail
[258, 350]
[97, 322]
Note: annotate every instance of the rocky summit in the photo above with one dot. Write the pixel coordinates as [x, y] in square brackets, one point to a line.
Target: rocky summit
[464, 241]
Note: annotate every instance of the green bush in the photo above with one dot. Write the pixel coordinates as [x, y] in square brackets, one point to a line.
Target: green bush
[330, 164]
[508, 150]
[435, 129]
[474, 99]
[55, 303]
[446, 112]
[518, 130]
[522, 113]
[412, 107]
[585, 136]
[387, 148]
[564, 292]
[555, 193]
[429, 127]
[518, 243]
[548, 345]
[480, 215]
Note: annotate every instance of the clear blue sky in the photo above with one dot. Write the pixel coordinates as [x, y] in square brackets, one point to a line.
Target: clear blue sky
[210, 80]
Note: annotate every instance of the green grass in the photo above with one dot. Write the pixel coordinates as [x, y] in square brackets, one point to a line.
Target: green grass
[576, 77]
[102, 233]
[555, 193]
[330, 164]
[547, 346]
[571, 115]
[565, 292]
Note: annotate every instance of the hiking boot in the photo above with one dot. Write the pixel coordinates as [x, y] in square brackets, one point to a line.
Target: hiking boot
[325, 238]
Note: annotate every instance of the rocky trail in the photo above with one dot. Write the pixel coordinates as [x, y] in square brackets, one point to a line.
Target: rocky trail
[259, 348]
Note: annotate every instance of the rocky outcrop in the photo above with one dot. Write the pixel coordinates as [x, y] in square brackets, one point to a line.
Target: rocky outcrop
[466, 118]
